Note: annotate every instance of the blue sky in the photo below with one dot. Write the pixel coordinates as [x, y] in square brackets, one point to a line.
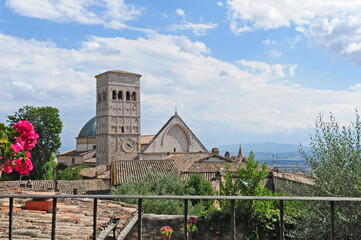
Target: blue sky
[239, 71]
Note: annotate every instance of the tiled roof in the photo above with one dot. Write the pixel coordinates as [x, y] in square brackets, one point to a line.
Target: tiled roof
[184, 160]
[96, 172]
[145, 139]
[64, 186]
[137, 169]
[74, 219]
[74, 152]
[291, 176]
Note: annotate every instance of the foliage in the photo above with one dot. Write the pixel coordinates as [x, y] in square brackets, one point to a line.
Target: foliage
[159, 184]
[191, 226]
[201, 187]
[48, 126]
[166, 230]
[49, 168]
[71, 173]
[257, 218]
[335, 167]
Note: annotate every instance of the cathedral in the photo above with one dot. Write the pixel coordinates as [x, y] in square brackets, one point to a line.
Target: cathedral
[115, 132]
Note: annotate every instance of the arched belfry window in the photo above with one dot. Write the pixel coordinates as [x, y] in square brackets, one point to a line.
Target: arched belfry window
[114, 95]
[134, 96]
[128, 96]
[120, 95]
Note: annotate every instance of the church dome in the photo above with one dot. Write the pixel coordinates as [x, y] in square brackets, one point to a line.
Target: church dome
[89, 129]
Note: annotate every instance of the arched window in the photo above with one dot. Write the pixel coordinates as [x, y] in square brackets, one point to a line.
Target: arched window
[114, 95]
[122, 129]
[134, 96]
[128, 96]
[120, 95]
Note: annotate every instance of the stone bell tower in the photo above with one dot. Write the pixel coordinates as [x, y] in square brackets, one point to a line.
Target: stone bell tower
[117, 116]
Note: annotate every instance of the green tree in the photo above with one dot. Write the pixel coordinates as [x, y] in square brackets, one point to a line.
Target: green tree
[48, 126]
[49, 168]
[335, 167]
[71, 173]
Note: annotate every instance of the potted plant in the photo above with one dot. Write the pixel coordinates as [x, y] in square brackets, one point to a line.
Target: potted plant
[191, 227]
[214, 234]
[166, 232]
[15, 142]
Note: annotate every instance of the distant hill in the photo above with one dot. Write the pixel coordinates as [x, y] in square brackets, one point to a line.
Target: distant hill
[266, 147]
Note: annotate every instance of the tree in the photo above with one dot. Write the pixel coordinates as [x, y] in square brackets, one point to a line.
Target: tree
[48, 126]
[335, 167]
[71, 173]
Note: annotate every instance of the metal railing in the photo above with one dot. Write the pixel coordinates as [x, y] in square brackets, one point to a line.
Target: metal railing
[332, 201]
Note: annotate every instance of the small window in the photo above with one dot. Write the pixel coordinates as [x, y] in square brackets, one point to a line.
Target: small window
[128, 96]
[174, 149]
[134, 96]
[99, 97]
[114, 95]
[94, 146]
[120, 95]
[122, 129]
[72, 160]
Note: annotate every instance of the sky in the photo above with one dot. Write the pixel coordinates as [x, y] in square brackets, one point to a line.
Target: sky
[238, 71]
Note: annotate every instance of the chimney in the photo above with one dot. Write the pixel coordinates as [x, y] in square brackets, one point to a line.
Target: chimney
[215, 151]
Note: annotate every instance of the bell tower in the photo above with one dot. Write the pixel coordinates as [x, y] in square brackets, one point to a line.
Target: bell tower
[117, 116]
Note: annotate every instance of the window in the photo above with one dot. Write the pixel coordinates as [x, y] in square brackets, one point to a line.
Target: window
[175, 149]
[114, 95]
[94, 146]
[134, 96]
[120, 95]
[122, 129]
[99, 97]
[72, 160]
[128, 96]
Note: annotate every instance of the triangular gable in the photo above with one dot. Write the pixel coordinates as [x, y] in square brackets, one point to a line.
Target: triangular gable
[175, 125]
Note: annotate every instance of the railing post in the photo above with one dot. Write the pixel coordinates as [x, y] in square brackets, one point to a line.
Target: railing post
[332, 203]
[186, 219]
[11, 207]
[233, 220]
[115, 234]
[95, 218]
[282, 231]
[140, 219]
[53, 219]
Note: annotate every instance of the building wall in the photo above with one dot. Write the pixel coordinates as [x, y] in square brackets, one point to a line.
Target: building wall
[85, 144]
[118, 116]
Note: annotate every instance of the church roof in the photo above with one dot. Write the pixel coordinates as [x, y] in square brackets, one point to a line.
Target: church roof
[89, 129]
[169, 123]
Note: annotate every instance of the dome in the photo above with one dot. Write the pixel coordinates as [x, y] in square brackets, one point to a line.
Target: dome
[89, 129]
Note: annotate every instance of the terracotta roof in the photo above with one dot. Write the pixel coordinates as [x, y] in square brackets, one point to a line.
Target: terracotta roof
[95, 172]
[137, 169]
[74, 218]
[118, 71]
[291, 176]
[145, 139]
[64, 186]
[74, 152]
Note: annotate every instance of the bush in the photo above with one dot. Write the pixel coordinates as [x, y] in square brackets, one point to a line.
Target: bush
[159, 184]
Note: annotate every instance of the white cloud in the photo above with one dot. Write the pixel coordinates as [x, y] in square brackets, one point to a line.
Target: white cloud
[180, 12]
[268, 42]
[220, 4]
[111, 14]
[248, 96]
[331, 24]
[197, 28]
[274, 54]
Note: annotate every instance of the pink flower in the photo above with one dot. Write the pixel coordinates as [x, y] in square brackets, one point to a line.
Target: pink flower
[211, 228]
[23, 167]
[27, 136]
[17, 147]
[8, 167]
[217, 232]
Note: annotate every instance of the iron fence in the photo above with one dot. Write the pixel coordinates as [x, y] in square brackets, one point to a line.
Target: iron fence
[331, 200]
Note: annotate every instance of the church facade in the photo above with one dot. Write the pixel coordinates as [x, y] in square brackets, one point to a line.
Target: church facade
[115, 132]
